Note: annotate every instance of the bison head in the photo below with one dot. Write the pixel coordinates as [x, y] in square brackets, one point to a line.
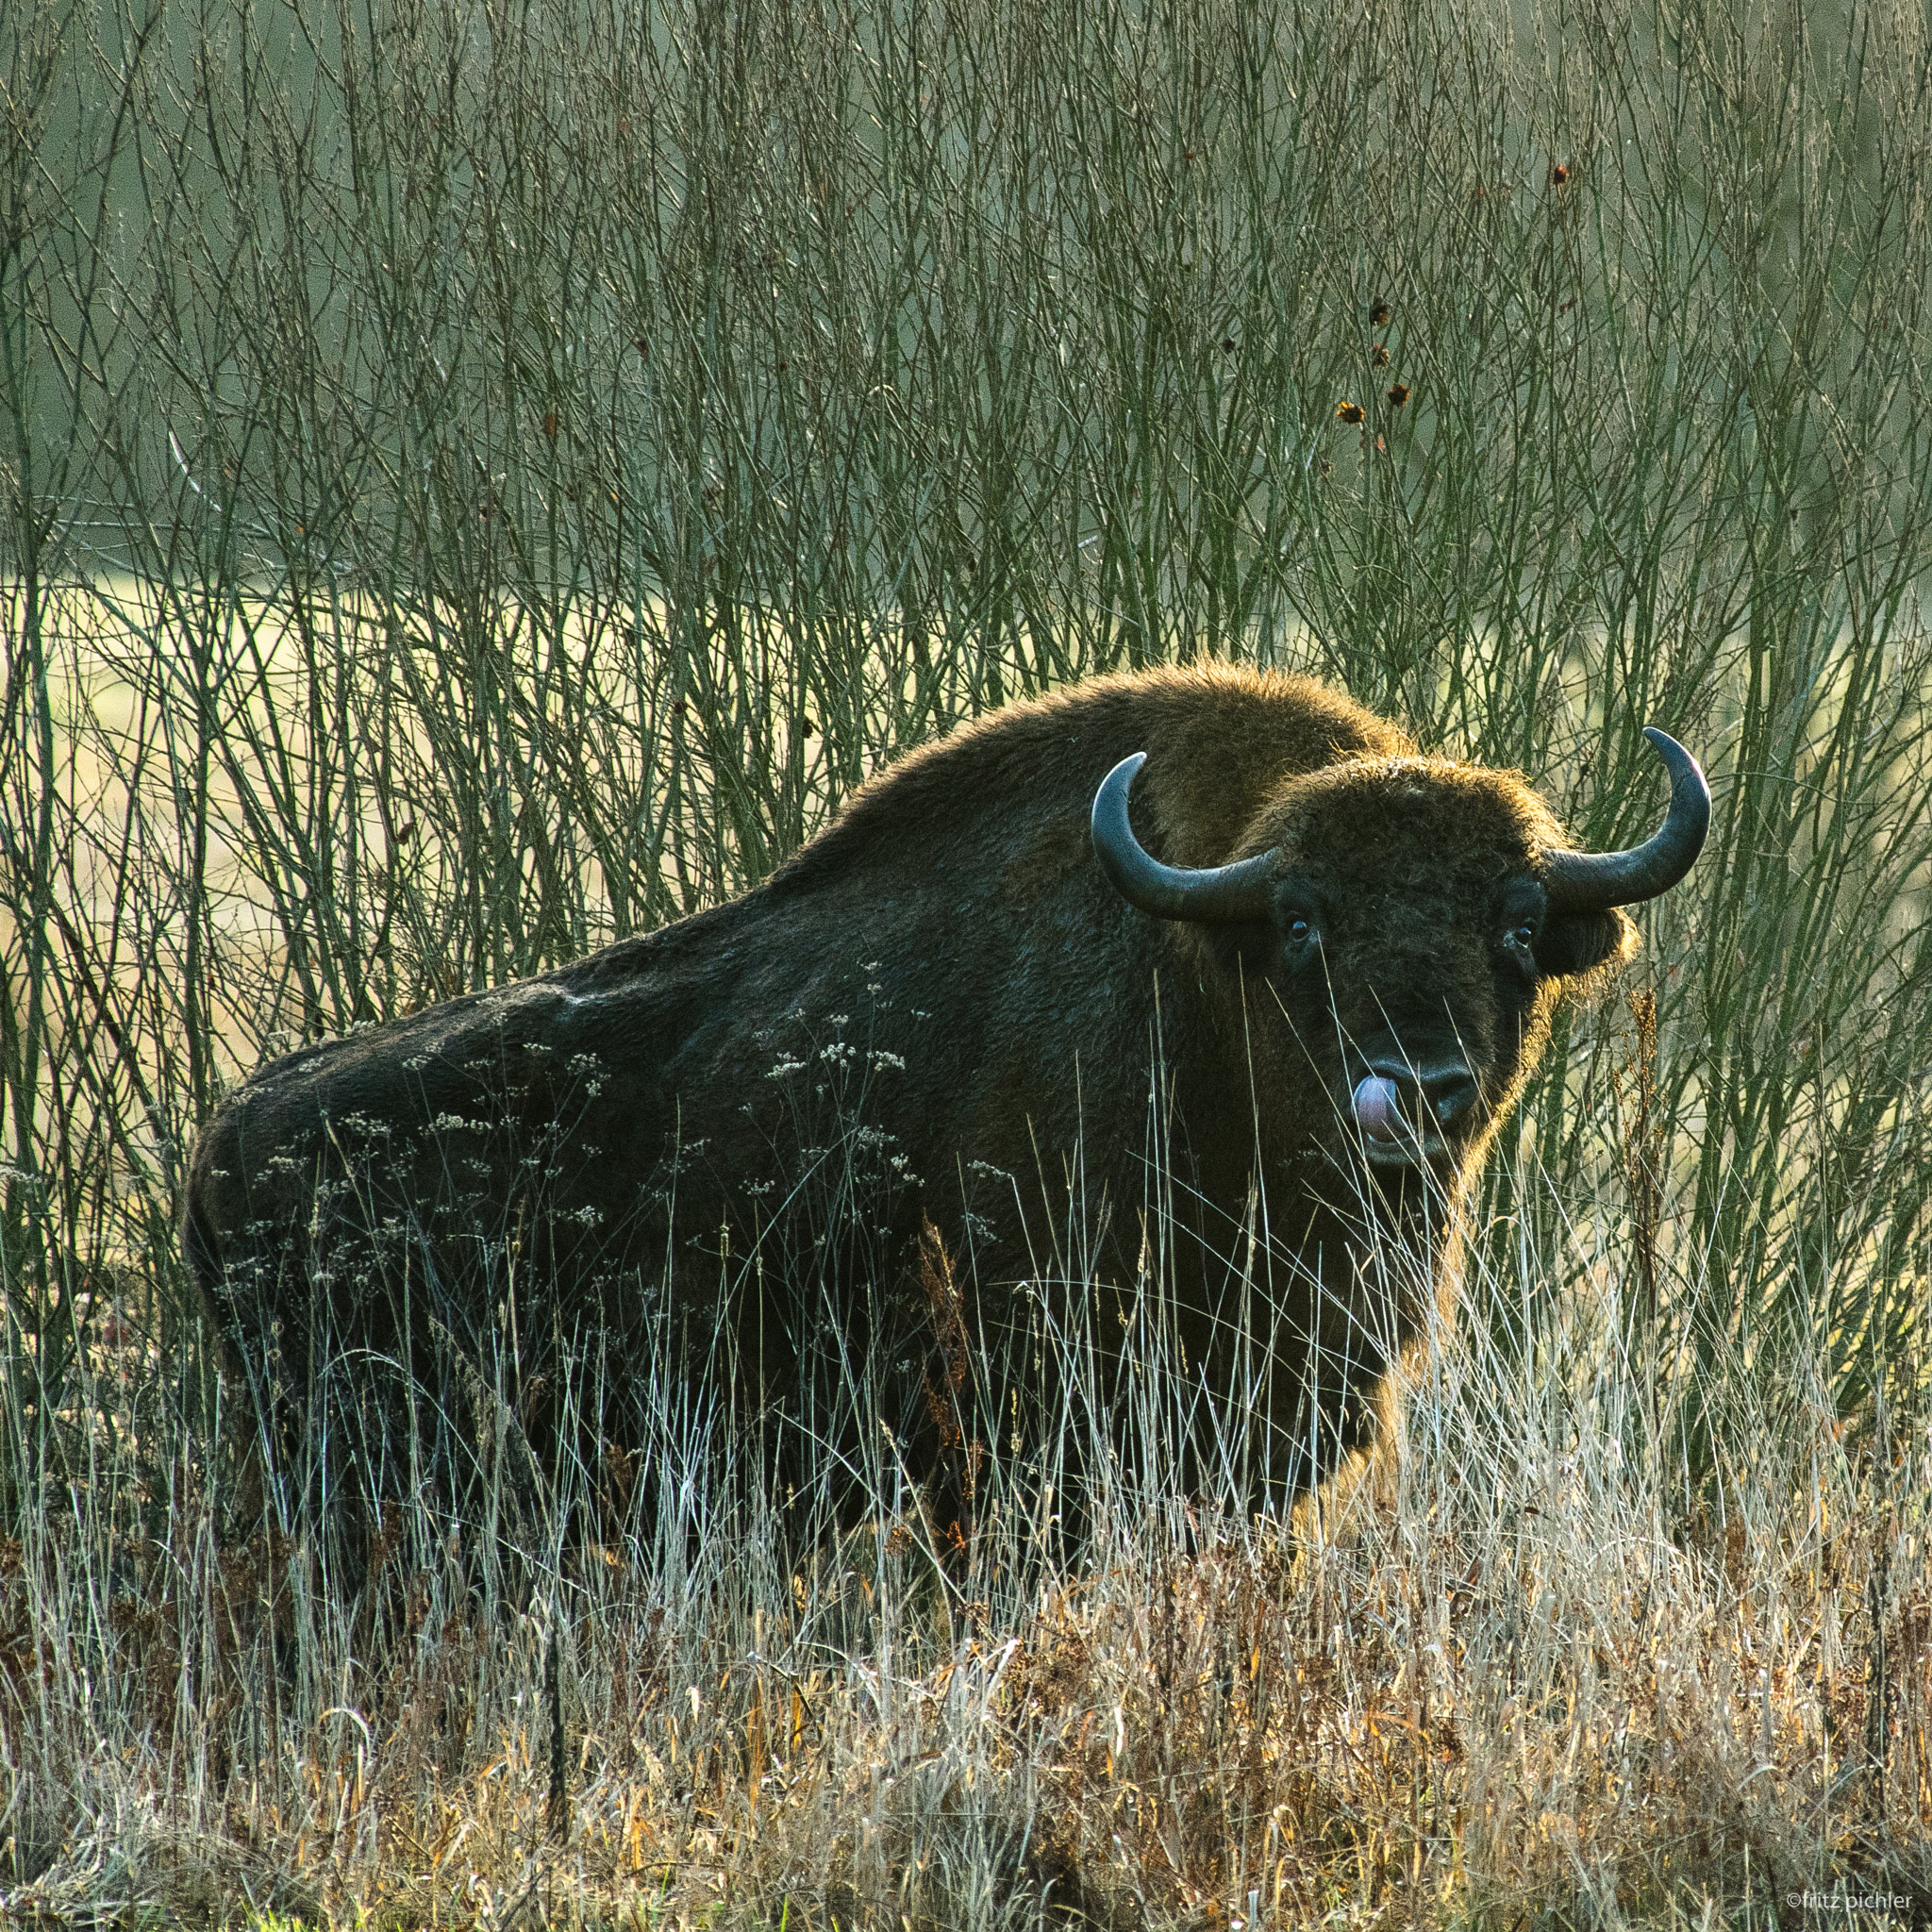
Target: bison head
[1410, 922]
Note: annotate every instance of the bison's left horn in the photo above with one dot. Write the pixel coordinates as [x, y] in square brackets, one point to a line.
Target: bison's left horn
[1588, 881]
[1215, 895]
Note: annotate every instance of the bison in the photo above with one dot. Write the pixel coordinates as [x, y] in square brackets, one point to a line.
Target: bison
[1158, 1014]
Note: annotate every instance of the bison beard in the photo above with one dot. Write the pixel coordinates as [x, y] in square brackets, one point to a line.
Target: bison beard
[1174, 1012]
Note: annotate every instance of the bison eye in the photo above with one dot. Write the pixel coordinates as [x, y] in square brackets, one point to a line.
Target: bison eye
[1520, 944]
[1300, 937]
[1520, 925]
[1297, 922]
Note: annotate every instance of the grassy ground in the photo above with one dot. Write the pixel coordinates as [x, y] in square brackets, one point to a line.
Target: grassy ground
[1537, 1673]
[479, 484]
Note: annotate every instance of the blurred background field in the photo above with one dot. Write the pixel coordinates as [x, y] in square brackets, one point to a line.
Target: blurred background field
[480, 481]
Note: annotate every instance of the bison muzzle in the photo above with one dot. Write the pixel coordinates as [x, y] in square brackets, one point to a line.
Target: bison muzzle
[1177, 1003]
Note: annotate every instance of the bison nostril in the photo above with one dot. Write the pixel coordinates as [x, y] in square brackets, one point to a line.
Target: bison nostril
[1403, 1105]
[1449, 1095]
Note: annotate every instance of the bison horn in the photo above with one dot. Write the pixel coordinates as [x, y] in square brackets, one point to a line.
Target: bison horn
[1217, 894]
[1590, 881]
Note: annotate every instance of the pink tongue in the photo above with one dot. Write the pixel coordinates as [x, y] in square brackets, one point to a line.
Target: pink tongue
[1377, 1108]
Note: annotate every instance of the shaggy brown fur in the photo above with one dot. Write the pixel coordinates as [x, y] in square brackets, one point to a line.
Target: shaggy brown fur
[703, 1157]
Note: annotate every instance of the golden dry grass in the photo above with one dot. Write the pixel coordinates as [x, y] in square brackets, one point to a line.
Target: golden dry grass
[1514, 1675]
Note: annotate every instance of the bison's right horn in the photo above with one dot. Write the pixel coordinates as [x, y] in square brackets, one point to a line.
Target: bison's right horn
[1215, 895]
[1589, 881]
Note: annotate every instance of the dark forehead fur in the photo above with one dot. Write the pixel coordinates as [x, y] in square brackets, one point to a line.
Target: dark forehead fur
[1459, 827]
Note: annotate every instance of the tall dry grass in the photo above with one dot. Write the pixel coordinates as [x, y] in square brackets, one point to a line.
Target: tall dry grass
[480, 482]
[1532, 1671]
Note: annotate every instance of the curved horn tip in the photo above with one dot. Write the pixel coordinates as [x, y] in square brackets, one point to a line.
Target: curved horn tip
[1217, 894]
[1109, 818]
[1669, 749]
[1601, 879]
[1687, 775]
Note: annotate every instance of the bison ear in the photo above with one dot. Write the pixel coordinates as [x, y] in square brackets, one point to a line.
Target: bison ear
[1574, 944]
